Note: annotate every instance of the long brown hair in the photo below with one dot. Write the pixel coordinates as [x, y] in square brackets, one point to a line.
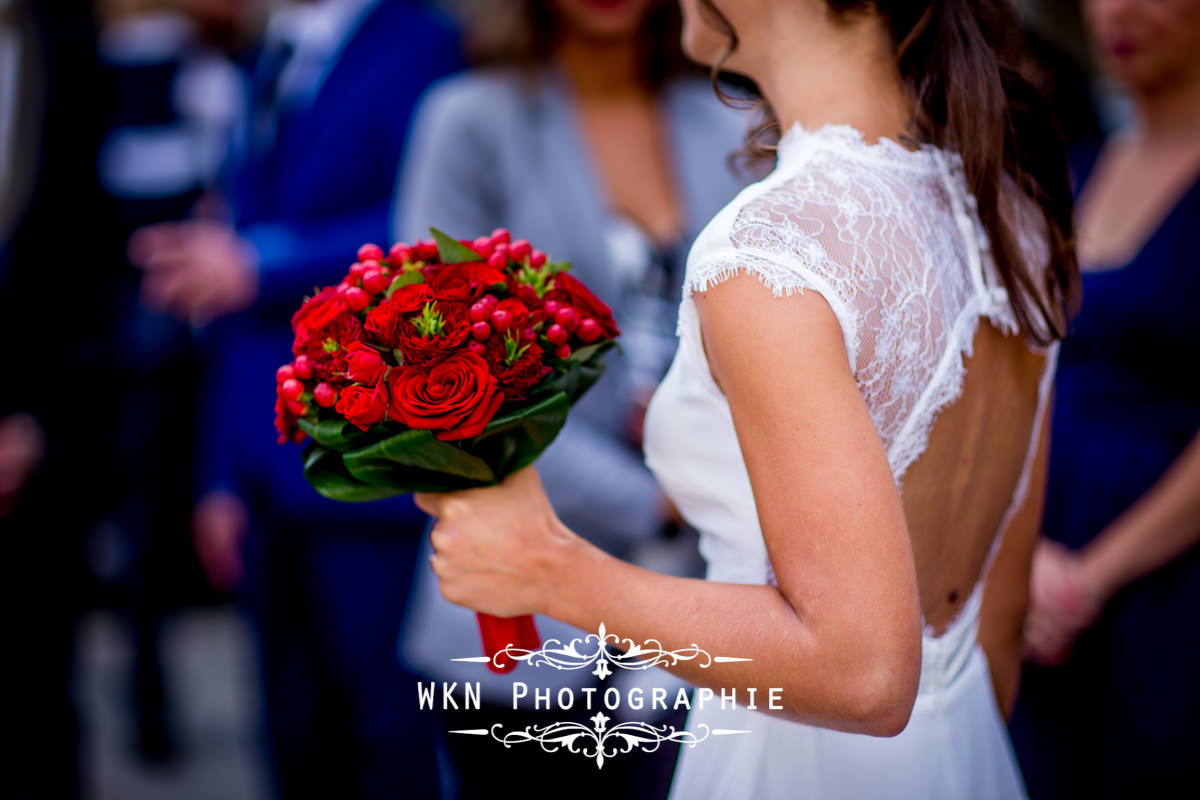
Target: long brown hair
[972, 96]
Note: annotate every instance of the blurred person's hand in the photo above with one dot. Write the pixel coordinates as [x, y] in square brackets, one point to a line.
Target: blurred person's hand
[22, 448]
[197, 270]
[1064, 602]
[219, 524]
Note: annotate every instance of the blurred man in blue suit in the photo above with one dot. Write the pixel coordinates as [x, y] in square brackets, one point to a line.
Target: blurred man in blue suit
[331, 92]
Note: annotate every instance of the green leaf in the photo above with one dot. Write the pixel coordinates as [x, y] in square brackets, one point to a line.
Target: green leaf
[406, 278]
[554, 267]
[451, 250]
[583, 368]
[323, 468]
[332, 432]
[517, 439]
[422, 450]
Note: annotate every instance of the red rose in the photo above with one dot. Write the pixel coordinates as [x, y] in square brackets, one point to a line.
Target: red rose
[568, 290]
[385, 320]
[364, 364]
[462, 283]
[518, 312]
[439, 329]
[525, 371]
[456, 397]
[324, 328]
[362, 406]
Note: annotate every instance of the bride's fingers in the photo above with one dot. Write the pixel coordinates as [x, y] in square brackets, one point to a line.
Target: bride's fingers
[428, 502]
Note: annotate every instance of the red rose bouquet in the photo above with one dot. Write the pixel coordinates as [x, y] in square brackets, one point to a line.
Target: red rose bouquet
[440, 366]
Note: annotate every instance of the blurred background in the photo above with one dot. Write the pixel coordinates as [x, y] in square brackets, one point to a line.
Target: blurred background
[188, 619]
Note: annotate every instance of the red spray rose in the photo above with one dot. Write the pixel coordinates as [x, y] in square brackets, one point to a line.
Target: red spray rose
[384, 321]
[517, 365]
[439, 329]
[362, 406]
[462, 283]
[324, 328]
[456, 397]
[364, 364]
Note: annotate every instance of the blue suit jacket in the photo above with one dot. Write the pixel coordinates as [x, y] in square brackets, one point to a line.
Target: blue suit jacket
[323, 189]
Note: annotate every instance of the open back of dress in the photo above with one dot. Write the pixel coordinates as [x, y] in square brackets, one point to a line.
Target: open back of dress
[891, 240]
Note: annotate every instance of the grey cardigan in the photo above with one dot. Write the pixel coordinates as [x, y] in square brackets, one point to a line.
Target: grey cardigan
[493, 148]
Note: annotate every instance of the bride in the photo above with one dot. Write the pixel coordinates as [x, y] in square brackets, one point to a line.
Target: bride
[854, 419]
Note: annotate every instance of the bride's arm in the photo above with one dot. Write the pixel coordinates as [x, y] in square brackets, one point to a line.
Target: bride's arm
[841, 634]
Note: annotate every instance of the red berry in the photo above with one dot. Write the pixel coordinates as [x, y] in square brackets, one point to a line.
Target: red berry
[374, 281]
[551, 307]
[528, 335]
[568, 318]
[501, 320]
[501, 236]
[491, 300]
[498, 260]
[284, 372]
[480, 312]
[563, 351]
[557, 334]
[303, 368]
[357, 269]
[291, 389]
[589, 330]
[537, 259]
[426, 250]
[325, 395]
[399, 254]
[297, 408]
[476, 347]
[481, 331]
[370, 252]
[298, 437]
[519, 250]
[357, 299]
[483, 246]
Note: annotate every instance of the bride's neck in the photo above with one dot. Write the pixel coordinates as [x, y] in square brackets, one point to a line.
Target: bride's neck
[849, 76]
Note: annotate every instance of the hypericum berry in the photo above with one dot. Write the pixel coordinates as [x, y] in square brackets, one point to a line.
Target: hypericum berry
[491, 300]
[357, 299]
[299, 436]
[357, 269]
[501, 320]
[325, 395]
[426, 249]
[374, 281]
[284, 373]
[551, 308]
[483, 246]
[498, 260]
[568, 318]
[480, 311]
[481, 331]
[519, 250]
[476, 347]
[399, 254]
[303, 368]
[563, 351]
[528, 335]
[557, 334]
[370, 252]
[588, 330]
[537, 259]
[297, 408]
[501, 236]
[291, 389]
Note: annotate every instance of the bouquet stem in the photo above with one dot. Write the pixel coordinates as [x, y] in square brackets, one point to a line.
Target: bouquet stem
[500, 632]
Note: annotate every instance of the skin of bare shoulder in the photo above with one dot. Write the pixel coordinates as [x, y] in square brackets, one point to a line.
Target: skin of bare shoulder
[840, 634]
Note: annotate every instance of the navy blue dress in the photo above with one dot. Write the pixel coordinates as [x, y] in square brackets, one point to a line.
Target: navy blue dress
[1121, 717]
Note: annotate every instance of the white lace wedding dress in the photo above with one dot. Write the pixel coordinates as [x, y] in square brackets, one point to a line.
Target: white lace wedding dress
[890, 238]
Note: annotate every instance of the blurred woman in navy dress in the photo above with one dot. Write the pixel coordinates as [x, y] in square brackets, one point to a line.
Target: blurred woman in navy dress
[1108, 707]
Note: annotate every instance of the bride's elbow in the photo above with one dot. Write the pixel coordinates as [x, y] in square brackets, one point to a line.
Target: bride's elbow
[885, 697]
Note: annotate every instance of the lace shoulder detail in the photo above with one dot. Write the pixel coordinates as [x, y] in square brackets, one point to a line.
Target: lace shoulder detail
[890, 238]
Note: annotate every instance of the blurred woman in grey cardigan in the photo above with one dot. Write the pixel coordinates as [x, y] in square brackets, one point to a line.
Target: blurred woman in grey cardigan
[589, 135]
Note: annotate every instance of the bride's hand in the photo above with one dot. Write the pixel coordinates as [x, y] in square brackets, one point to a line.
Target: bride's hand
[500, 549]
